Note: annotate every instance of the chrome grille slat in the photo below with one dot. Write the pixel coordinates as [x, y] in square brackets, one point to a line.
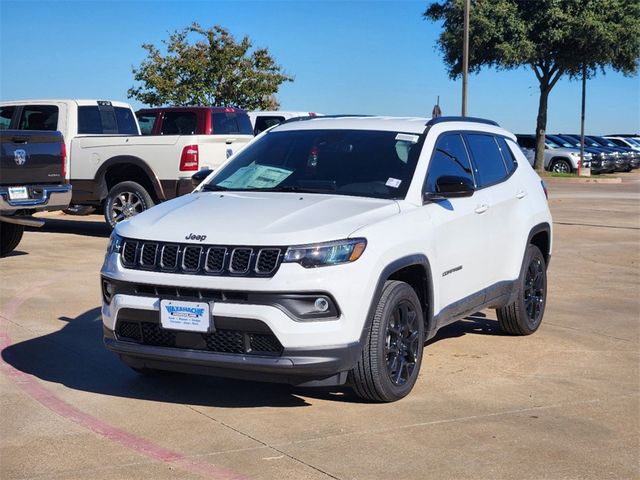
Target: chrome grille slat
[193, 259]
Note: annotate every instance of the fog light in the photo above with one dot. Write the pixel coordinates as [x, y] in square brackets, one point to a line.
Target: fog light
[321, 304]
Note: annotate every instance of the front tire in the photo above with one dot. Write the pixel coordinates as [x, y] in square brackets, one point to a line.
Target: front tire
[10, 236]
[390, 361]
[561, 166]
[524, 315]
[125, 200]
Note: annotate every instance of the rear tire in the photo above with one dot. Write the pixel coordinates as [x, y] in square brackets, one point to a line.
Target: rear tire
[125, 200]
[10, 236]
[524, 315]
[390, 361]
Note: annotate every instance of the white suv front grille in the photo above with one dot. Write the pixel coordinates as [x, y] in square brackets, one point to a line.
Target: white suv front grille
[201, 259]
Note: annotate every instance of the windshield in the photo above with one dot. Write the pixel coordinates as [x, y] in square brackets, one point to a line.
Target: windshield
[633, 141]
[365, 163]
[561, 141]
[550, 143]
[604, 141]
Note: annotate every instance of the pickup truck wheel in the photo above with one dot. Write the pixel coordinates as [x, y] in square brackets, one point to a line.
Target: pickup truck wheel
[10, 236]
[561, 166]
[125, 200]
[524, 315]
[390, 361]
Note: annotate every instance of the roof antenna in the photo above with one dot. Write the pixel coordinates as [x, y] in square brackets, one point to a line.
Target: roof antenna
[436, 112]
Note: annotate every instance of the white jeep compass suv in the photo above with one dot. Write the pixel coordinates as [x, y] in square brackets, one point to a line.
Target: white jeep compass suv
[329, 250]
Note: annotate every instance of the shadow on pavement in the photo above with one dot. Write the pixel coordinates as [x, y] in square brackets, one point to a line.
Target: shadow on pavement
[89, 228]
[74, 356]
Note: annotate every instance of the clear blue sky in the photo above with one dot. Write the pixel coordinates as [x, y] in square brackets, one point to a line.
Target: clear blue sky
[375, 57]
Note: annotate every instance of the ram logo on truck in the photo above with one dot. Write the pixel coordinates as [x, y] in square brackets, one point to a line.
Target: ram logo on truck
[20, 157]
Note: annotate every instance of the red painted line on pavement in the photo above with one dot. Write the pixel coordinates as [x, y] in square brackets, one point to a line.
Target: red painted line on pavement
[29, 385]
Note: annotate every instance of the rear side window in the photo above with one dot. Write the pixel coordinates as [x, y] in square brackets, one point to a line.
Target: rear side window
[262, 123]
[527, 142]
[231, 122]
[147, 121]
[488, 163]
[6, 113]
[507, 155]
[105, 119]
[39, 117]
[179, 123]
[449, 158]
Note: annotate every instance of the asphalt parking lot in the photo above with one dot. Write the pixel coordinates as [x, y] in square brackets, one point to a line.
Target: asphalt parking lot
[561, 404]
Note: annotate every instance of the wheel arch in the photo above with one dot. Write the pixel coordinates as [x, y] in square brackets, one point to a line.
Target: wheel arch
[540, 236]
[414, 270]
[127, 167]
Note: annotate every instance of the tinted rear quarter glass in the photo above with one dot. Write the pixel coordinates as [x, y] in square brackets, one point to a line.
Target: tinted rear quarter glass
[39, 117]
[449, 158]
[126, 121]
[507, 155]
[487, 159]
[6, 113]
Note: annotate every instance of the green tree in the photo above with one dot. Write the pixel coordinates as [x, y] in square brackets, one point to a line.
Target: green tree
[215, 69]
[552, 37]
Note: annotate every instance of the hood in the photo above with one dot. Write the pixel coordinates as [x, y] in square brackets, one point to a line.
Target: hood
[255, 218]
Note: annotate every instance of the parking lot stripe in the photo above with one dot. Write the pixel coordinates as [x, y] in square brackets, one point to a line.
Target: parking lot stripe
[34, 389]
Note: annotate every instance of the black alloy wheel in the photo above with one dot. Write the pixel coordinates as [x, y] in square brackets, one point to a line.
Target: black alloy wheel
[402, 345]
[534, 291]
[389, 364]
[524, 315]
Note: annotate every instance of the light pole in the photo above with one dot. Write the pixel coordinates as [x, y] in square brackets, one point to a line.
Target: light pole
[465, 56]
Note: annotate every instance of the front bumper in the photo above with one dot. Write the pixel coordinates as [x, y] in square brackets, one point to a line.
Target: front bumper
[41, 198]
[309, 367]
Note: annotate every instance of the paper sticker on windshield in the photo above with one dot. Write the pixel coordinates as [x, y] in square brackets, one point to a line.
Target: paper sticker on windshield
[256, 176]
[393, 182]
[406, 137]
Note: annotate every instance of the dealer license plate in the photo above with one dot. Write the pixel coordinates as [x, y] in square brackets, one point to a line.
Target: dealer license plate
[18, 193]
[186, 316]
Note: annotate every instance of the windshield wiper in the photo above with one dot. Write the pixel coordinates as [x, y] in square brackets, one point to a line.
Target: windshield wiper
[214, 188]
[299, 189]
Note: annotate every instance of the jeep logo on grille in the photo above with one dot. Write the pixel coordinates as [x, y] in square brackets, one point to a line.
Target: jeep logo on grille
[20, 157]
[193, 236]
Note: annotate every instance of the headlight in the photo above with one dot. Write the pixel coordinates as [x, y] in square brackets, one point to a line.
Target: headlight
[328, 253]
[115, 243]
[574, 155]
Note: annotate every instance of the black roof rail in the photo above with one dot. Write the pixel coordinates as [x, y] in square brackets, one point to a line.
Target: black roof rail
[313, 117]
[435, 121]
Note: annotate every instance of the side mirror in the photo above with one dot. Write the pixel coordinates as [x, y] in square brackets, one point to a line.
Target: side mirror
[449, 186]
[199, 176]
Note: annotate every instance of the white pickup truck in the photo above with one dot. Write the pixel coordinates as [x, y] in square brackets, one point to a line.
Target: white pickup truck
[110, 164]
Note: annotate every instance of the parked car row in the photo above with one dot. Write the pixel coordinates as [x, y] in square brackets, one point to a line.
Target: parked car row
[123, 162]
[602, 154]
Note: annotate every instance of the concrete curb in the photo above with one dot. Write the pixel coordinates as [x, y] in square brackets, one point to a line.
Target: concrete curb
[581, 180]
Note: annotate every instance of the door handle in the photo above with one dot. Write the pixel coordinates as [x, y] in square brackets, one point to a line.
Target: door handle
[230, 140]
[481, 208]
[521, 194]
